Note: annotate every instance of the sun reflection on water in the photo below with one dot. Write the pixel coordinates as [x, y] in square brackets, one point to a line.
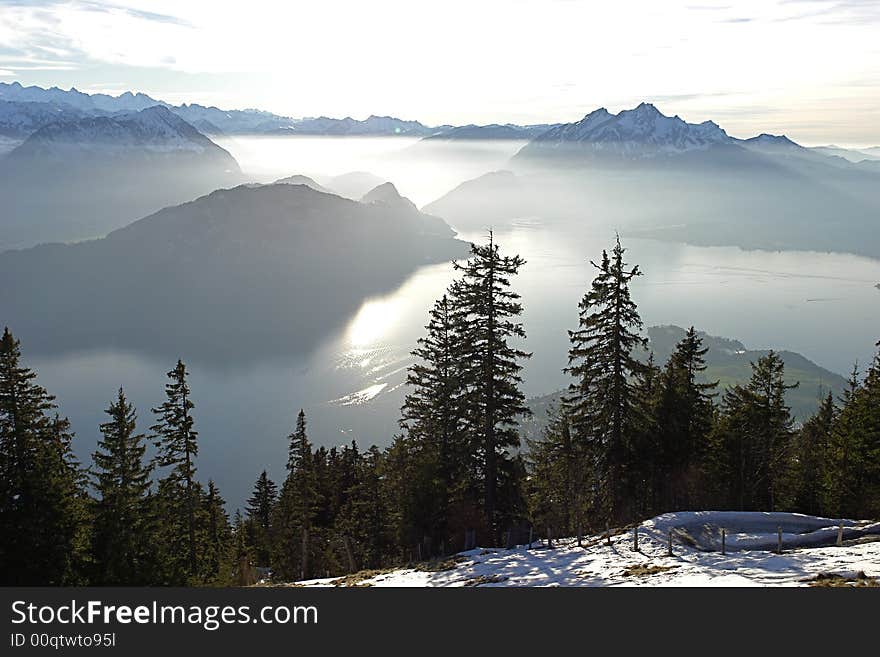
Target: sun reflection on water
[373, 322]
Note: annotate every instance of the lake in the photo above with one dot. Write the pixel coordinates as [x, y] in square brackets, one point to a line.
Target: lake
[824, 306]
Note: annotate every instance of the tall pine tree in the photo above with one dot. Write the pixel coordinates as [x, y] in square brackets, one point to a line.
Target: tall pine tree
[121, 545]
[177, 447]
[42, 499]
[487, 312]
[297, 506]
[260, 508]
[603, 361]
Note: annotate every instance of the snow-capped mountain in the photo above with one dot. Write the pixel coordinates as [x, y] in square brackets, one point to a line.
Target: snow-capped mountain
[153, 130]
[642, 132]
[492, 131]
[38, 103]
[372, 126]
[126, 102]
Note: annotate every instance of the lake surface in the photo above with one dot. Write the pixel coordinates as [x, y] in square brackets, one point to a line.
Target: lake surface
[824, 306]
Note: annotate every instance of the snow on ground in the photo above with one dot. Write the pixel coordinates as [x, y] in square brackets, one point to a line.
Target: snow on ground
[694, 561]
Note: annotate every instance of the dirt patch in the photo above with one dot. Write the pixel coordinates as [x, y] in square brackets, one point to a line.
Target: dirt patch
[645, 570]
[485, 579]
[359, 578]
[439, 565]
[836, 580]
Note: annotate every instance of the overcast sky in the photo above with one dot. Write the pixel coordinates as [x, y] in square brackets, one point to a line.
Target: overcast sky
[806, 68]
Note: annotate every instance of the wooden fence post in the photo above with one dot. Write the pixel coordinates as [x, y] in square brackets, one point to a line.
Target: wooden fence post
[608, 533]
[635, 539]
[549, 538]
[840, 534]
[669, 544]
[723, 541]
[531, 530]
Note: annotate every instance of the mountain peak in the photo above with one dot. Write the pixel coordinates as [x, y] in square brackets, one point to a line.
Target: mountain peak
[647, 109]
[384, 193]
[641, 132]
[776, 141]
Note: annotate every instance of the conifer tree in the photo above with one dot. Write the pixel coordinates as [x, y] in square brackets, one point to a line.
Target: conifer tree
[238, 569]
[297, 506]
[558, 479]
[367, 512]
[260, 508]
[42, 499]
[603, 361]
[177, 447]
[811, 451]
[751, 445]
[647, 473]
[488, 311]
[684, 419]
[121, 525]
[434, 418]
[852, 480]
[216, 535]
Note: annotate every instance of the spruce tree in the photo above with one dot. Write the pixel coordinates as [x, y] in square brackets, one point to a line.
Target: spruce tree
[434, 419]
[177, 448]
[685, 416]
[216, 535]
[260, 508]
[810, 453]
[558, 479]
[751, 445]
[602, 359]
[122, 480]
[487, 311]
[297, 506]
[852, 477]
[43, 515]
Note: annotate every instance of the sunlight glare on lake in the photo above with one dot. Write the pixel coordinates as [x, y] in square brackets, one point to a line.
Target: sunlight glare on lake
[373, 321]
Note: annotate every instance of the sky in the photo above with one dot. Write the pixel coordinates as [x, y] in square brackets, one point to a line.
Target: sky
[809, 69]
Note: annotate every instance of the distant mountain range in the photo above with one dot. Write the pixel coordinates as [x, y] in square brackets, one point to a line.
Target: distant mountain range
[349, 127]
[645, 133]
[81, 178]
[850, 154]
[25, 109]
[492, 132]
[651, 175]
[242, 273]
[16, 100]
[684, 182]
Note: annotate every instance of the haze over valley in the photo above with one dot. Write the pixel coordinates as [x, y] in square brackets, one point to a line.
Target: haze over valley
[301, 256]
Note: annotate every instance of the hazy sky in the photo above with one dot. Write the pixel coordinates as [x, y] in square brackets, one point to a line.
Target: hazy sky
[807, 68]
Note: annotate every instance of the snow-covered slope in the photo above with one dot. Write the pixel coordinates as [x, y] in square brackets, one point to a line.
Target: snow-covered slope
[18, 120]
[750, 559]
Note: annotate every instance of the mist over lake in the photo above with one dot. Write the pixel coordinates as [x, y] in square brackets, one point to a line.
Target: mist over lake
[351, 384]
